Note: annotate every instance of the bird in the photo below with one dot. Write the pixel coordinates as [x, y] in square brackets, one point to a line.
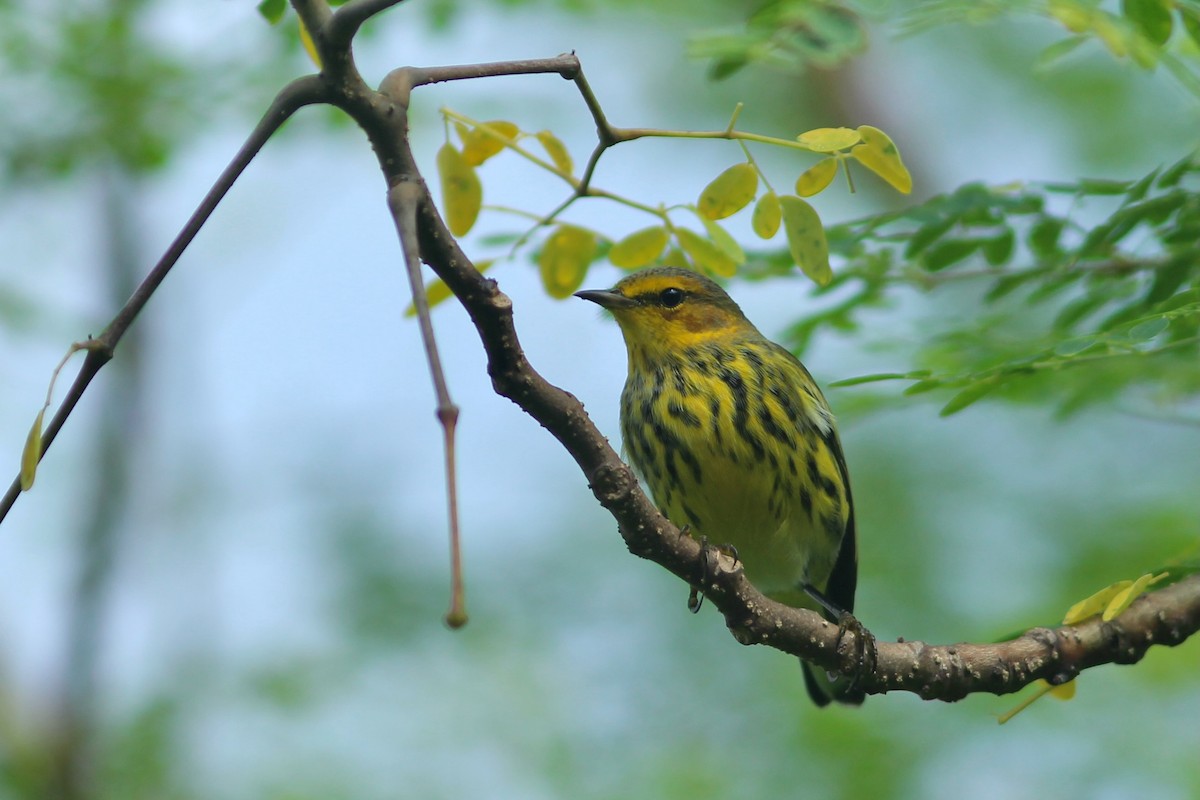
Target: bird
[737, 444]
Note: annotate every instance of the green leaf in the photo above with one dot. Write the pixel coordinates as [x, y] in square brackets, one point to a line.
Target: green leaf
[721, 69]
[806, 239]
[1052, 285]
[1139, 189]
[1005, 286]
[924, 385]
[1099, 186]
[1169, 278]
[1058, 51]
[1077, 309]
[1156, 210]
[1190, 17]
[968, 396]
[948, 253]
[927, 234]
[1172, 174]
[998, 249]
[1145, 331]
[1043, 237]
[1074, 346]
[1151, 18]
[273, 10]
[1122, 315]
[1100, 239]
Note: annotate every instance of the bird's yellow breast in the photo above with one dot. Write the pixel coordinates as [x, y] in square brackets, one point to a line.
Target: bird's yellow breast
[731, 446]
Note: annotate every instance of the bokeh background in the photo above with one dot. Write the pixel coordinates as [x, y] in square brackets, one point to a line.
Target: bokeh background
[230, 577]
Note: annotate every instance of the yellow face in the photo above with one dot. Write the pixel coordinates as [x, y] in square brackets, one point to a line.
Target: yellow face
[667, 308]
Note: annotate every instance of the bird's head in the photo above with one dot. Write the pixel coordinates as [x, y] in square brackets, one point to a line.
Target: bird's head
[669, 308]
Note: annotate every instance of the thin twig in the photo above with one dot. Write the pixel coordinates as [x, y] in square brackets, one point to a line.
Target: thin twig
[349, 18]
[403, 199]
[100, 349]
[566, 65]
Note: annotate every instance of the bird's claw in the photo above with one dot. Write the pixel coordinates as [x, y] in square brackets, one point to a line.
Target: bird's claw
[866, 652]
[695, 596]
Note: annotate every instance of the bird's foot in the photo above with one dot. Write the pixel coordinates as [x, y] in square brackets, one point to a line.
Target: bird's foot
[696, 596]
[865, 655]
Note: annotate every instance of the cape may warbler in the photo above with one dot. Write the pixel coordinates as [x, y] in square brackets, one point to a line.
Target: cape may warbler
[736, 442]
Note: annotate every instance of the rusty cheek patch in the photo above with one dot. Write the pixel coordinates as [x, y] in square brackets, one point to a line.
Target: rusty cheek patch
[699, 318]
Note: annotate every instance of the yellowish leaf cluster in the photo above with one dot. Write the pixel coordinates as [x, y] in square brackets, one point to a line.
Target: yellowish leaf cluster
[1110, 602]
[569, 250]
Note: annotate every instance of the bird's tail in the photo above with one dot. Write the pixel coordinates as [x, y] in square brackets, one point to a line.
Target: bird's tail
[823, 689]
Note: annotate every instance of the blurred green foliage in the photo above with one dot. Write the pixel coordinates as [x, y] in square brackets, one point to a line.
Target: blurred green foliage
[1107, 282]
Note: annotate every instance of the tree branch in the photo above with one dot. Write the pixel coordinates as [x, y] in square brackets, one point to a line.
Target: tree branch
[100, 349]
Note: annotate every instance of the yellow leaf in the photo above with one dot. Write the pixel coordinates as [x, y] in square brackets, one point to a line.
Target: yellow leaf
[827, 140]
[729, 192]
[1064, 691]
[436, 291]
[640, 248]
[565, 258]
[767, 215]
[706, 255]
[721, 238]
[480, 145]
[1125, 597]
[676, 258]
[1091, 606]
[814, 179]
[557, 151]
[1071, 14]
[464, 131]
[1110, 32]
[462, 193]
[879, 154]
[32, 452]
[806, 239]
[310, 47]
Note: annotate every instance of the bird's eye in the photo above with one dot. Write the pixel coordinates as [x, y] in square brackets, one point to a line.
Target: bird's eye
[671, 297]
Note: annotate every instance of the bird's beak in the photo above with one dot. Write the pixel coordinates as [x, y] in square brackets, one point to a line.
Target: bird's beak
[606, 298]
